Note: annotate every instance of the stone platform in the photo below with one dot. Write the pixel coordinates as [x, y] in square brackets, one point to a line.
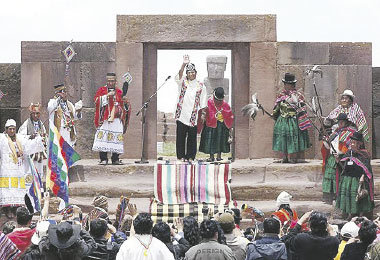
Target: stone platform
[252, 180]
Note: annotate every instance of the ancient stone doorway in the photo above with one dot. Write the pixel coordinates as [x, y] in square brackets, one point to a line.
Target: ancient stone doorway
[239, 80]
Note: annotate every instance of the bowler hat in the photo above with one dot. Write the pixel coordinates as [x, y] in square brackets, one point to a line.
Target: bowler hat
[64, 234]
[219, 93]
[289, 78]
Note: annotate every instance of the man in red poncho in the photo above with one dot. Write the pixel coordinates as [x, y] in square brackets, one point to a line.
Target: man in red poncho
[110, 117]
[22, 235]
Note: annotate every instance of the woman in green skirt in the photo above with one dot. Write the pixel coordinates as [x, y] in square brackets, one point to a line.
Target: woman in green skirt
[356, 171]
[290, 134]
[336, 146]
[216, 132]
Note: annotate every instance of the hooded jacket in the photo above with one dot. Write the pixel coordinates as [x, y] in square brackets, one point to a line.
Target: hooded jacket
[21, 237]
[268, 248]
[210, 250]
[238, 245]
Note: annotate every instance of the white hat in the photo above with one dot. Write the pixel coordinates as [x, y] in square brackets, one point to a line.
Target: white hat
[41, 231]
[283, 198]
[349, 93]
[10, 122]
[350, 229]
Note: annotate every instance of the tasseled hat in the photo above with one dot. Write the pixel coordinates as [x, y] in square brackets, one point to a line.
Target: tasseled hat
[35, 107]
[100, 202]
[190, 67]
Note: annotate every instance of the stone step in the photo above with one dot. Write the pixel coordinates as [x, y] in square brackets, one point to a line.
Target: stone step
[260, 179]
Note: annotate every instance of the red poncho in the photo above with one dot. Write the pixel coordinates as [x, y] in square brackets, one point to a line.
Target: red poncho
[103, 113]
[22, 238]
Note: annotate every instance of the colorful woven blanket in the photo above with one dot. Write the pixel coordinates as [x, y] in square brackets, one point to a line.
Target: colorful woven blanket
[187, 183]
[200, 211]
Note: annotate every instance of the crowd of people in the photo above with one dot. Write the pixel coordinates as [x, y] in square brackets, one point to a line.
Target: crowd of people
[69, 235]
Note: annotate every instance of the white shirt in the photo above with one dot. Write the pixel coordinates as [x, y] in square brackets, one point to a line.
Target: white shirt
[133, 249]
[189, 99]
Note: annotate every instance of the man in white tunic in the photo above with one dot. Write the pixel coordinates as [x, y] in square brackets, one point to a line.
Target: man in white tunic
[62, 114]
[33, 126]
[143, 245]
[14, 152]
[191, 100]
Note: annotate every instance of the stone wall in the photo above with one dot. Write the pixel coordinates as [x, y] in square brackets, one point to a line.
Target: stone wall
[376, 111]
[10, 84]
[344, 66]
[43, 66]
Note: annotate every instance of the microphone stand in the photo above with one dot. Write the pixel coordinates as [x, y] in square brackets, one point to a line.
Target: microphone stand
[143, 111]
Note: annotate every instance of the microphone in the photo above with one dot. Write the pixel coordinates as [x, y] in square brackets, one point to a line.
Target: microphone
[168, 78]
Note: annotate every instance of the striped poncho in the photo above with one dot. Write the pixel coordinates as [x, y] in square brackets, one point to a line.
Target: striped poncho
[355, 115]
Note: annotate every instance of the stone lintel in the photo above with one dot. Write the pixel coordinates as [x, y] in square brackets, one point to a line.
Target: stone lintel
[196, 28]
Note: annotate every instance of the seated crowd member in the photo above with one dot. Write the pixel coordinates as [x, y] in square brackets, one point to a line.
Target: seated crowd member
[269, 246]
[237, 244]
[164, 233]
[66, 241]
[22, 234]
[209, 248]
[320, 243]
[349, 230]
[142, 244]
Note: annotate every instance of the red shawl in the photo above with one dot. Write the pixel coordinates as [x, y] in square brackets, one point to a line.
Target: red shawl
[22, 238]
[212, 109]
[103, 113]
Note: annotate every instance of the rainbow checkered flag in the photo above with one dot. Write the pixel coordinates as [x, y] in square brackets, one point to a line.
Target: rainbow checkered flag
[61, 157]
[34, 192]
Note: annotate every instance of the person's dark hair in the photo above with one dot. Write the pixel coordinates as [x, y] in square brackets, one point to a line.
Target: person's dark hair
[143, 224]
[221, 238]
[208, 228]
[318, 223]
[271, 225]
[237, 215]
[8, 227]
[23, 216]
[191, 230]
[161, 231]
[287, 208]
[367, 232]
[249, 233]
[98, 228]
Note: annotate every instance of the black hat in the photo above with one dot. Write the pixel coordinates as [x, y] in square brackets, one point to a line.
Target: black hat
[219, 93]
[289, 78]
[342, 116]
[357, 136]
[59, 88]
[64, 234]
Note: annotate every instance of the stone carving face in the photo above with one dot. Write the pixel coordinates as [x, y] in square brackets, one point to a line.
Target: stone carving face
[216, 70]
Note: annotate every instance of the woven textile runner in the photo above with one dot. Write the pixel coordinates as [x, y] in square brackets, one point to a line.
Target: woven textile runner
[167, 213]
[188, 183]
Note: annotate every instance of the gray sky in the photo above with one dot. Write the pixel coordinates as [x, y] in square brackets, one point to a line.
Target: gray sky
[95, 20]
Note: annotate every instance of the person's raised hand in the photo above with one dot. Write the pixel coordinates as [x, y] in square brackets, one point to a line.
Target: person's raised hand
[132, 209]
[305, 217]
[178, 222]
[186, 59]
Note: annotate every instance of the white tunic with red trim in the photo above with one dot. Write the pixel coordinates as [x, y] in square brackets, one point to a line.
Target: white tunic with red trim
[188, 104]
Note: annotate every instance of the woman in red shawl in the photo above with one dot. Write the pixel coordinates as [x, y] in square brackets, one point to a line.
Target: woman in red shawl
[219, 120]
